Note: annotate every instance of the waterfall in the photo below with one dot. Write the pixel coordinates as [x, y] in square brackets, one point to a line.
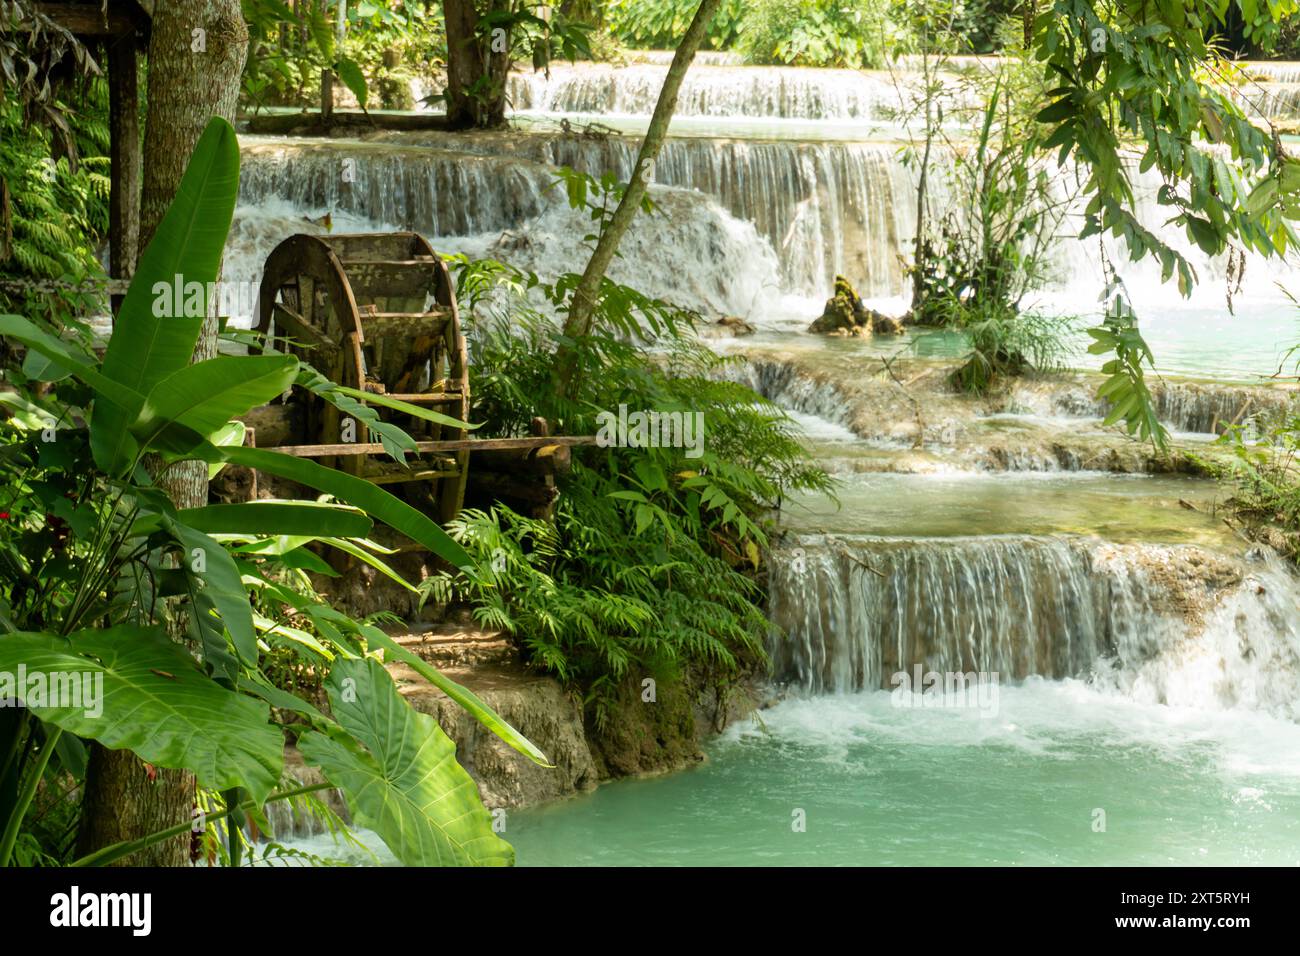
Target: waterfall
[1211, 409]
[780, 218]
[826, 208]
[500, 206]
[713, 87]
[775, 92]
[1173, 624]
[1273, 90]
[1187, 407]
[1191, 407]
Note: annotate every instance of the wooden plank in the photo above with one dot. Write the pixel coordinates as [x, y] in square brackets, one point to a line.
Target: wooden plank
[299, 328]
[410, 324]
[468, 444]
[398, 477]
[372, 280]
[371, 245]
[124, 160]
[423, 398]
[551, 459]
[88, 20]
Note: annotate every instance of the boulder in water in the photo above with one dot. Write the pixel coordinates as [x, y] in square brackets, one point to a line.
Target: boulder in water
[882, 324]
[846, 315]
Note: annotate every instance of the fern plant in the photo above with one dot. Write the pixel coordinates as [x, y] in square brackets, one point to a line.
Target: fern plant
[653, 562]
[53, 213]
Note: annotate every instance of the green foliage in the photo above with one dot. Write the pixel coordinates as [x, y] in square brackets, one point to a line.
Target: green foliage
[1287, 45]
[1266, 469]
[385, 45]
[537, 35]
[660, 24]
[399, 770]
[99, 566]
[1000, 217]
[180, 719]
[1126, 388]
[650, 564]
[1007, 343]
[510, 31]
[1139, 74]
[845, 33]
[597, 197]
[977, 260]
[37, 57]
[1133, 76]
[53, 206]
[1265, 472]
[987, 26]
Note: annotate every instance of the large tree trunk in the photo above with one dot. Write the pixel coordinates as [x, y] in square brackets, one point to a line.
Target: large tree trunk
[477, 67]
[578, 322]
[196, 56]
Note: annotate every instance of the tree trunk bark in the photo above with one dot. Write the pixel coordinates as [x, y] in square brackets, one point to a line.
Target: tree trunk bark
[477, 67]
[196, 56]
[578, 322]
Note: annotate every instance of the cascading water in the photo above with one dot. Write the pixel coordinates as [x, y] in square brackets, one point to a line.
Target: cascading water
[817, 208]
[1173, 625]
[500, 207]
[1133, 637]
[776, 92]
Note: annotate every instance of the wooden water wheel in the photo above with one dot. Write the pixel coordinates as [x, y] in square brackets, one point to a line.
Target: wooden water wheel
[376, 312]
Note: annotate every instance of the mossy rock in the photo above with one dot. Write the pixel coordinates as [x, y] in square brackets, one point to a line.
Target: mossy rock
[640, 736]
[845, 314]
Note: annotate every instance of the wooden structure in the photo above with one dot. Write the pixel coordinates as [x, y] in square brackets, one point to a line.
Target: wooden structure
[377, 313]
[122, 28]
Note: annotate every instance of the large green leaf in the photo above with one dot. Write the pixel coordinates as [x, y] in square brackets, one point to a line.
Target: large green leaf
[38, 340]
[400, 774]
[305, 518]
[209, 564]
[156, 703]
[353, 79]
[461, 695]
[186, 247]
[396, 441]
[417, 411]
[370, 498]
[204, 397]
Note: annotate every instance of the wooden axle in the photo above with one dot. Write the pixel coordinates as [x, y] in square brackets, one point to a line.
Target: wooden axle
[469, 444]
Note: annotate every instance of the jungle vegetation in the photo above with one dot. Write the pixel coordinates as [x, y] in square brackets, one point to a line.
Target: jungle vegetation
[116, 566]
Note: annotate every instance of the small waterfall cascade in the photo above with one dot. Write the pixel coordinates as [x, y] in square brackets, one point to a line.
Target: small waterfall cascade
[498, 206]
[772, 92]
[1171, 624]
[817, 208]
[715, 87]
[297, 824]
[1199, 408]
[826, 209]
[1272, 90]
[1205, 408]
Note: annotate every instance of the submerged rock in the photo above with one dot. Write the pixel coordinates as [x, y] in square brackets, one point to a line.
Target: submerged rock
[882, 324]
[736, 326]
